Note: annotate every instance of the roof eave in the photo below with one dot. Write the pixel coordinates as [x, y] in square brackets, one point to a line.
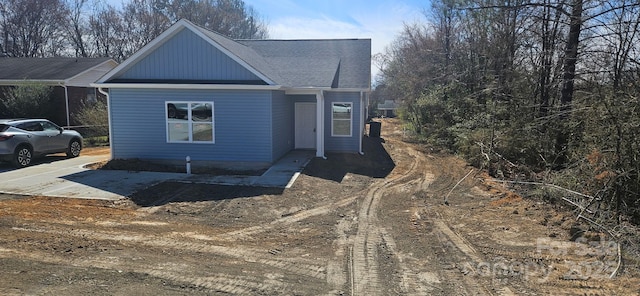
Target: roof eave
[11, 82]
[187, 86]
[315, 89]
[109, 61]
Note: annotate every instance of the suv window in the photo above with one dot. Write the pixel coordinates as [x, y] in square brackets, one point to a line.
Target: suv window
[30, 126]
[48, 126]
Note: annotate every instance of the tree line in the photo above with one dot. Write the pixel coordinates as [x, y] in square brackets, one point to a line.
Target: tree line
[545, 90]
[84, 28]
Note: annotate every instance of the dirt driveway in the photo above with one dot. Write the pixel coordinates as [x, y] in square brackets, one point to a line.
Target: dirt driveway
[350, 225]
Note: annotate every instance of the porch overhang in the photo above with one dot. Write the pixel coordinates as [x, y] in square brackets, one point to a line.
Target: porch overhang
[319, 93]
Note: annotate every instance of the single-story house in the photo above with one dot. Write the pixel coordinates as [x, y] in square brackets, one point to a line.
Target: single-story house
[193, 92]
[71, 79]
[388, 108]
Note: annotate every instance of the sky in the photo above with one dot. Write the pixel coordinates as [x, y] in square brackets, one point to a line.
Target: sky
[379, 20]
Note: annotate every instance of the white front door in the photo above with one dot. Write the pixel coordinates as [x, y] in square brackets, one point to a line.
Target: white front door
[305, 130]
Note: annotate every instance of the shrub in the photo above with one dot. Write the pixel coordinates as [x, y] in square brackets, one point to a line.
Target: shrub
[28, 100]
[95, 118]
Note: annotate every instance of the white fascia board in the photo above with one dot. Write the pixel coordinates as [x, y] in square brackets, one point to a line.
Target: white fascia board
[313, 90]
[186, 86]
[366, 90]
[305, 90]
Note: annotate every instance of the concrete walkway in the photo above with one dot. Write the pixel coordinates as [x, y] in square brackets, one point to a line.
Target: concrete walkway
[281, 174]
[61, 177]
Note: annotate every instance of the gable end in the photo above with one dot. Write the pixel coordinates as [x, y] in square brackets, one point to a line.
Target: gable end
[186, 57]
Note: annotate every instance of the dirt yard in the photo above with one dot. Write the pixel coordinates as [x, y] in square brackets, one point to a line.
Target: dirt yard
[375, 224]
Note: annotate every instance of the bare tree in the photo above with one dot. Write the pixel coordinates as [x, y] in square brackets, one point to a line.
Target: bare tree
[142, 23]
[107, 32]
[231, 18]
[547, 27]
[77, 27]
[31, 27]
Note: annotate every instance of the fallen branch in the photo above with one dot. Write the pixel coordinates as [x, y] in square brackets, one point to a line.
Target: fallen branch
[613, 274]
[446, 198]
[544, 184]
[496, 153]
[484, 153]
[580, 216]
[581, 207]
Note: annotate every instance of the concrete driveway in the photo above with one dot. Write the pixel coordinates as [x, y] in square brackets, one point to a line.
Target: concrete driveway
[61, 177]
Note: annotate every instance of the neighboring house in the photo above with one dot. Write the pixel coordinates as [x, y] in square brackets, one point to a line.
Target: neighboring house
[388, 108]
[70, 78]
[193, 92]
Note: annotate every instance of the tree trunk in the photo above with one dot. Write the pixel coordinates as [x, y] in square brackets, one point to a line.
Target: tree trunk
[568, 77]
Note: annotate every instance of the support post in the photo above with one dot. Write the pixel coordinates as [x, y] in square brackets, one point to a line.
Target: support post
[320, 124]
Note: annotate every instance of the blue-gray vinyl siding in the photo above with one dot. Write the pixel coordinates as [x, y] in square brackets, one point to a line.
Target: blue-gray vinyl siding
[242, 123]
[283, 124]
[186, 56]
[343, 144]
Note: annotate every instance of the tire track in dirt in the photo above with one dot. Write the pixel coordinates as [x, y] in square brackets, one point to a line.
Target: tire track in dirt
[309, 269]
[461, 258]
[171, 271]
[423, 283]
[364, 274]
[248, 232]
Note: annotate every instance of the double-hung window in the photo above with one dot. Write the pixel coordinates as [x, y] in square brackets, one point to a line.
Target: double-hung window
[341, 119]
[190, 122]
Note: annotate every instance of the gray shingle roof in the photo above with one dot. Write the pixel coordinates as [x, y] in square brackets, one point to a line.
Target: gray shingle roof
[336, 63]
[45, 68]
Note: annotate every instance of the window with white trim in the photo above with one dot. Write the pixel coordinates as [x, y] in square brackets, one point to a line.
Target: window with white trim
[341, 119]
[190, 122]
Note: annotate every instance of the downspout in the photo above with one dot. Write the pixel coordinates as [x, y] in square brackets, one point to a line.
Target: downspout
[367, 94]
[320, 124]
[106, 94]
[363, 110]
[66, 101]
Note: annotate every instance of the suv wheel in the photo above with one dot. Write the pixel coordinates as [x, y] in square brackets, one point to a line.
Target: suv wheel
[74, 148]
[171, 111]
[22, 156]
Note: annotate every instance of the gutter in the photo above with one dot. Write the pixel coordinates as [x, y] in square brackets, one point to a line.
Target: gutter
[66, 101]
[106, 94]
[320, 124]
[363, 109]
